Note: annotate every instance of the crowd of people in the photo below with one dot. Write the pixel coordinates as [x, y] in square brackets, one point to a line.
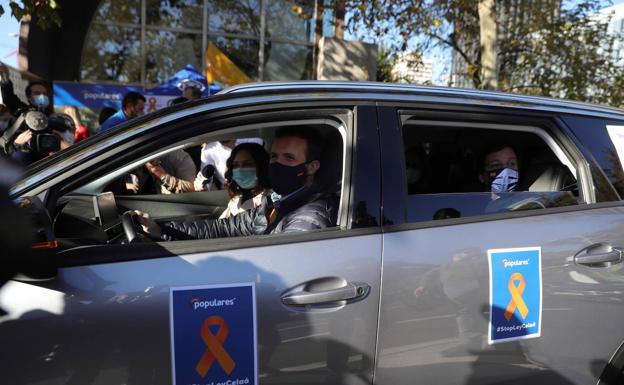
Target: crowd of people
[20, 142]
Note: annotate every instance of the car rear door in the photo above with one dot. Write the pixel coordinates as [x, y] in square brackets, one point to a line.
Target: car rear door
[108, 315]
[445, 295]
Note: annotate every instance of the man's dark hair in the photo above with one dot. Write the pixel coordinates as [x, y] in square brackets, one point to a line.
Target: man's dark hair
[314, 142]
[35, 83]
[131, 99]
[61, 122]
[261, 159]
[106, 113]
[491, 148]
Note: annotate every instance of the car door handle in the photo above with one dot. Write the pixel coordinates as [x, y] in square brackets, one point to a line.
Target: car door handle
[598, 255]
[352, 290]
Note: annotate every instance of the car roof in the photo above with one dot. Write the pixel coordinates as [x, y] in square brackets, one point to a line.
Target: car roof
[400, 89]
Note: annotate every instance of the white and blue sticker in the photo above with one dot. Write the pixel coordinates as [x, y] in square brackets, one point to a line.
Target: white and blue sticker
[214, 335]
[515, 294]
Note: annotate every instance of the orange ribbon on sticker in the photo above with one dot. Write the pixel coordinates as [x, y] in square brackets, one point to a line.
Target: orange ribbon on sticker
[516, 297]
[215, 350]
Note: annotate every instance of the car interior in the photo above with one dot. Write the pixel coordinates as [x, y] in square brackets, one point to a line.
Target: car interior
[98, 212]
[450, 159]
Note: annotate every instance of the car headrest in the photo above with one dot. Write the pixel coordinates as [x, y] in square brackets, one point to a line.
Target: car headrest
[330, 173]
[548, 177]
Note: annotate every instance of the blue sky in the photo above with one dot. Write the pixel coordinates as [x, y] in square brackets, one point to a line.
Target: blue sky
[9, 41]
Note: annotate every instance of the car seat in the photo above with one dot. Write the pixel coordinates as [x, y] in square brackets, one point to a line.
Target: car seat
[330, 173]
[547, 176]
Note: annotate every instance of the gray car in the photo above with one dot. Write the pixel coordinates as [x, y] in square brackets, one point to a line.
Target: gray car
[431, 274]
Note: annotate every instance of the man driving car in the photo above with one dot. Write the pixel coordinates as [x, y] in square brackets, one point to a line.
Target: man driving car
[297, 204]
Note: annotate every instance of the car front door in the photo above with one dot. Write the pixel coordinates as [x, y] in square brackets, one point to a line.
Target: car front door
[107, 317]
[450, 311]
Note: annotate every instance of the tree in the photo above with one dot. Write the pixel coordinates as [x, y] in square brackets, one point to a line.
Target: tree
[542, 47]
[385, 62]
[45, 12]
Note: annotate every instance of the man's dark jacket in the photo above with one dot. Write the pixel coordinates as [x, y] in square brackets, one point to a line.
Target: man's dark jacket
[305, 210]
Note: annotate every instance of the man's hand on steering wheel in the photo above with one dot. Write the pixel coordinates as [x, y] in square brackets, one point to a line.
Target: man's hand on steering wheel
[147, 224]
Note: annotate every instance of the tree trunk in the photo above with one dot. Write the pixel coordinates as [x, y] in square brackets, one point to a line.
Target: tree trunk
[488, 40]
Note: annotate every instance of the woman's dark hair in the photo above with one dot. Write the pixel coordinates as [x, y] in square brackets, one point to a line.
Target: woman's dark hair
[261, 159]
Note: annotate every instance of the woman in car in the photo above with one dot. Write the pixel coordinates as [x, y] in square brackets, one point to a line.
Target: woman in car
[247, 178]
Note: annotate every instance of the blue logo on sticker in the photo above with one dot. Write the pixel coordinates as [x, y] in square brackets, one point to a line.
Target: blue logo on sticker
[213, 334]
[515, 294]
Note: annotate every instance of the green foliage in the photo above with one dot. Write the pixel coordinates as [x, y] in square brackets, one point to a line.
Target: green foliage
[385, 61]
[545, 47]
[45, 12]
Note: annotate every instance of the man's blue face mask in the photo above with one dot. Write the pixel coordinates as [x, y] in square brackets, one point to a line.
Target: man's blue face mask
[40, 101]
[503, 180]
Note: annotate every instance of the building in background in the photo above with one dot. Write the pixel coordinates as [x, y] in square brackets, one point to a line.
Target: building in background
[410, 68]
[144, 42]
[616, 26]
[340, 59]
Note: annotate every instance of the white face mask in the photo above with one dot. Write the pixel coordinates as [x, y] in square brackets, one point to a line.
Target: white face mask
[504, 180]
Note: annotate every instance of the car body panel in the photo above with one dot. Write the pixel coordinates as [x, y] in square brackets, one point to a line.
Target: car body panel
[435, 302]
[109, 323]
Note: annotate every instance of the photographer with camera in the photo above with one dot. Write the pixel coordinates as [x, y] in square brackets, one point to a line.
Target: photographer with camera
[36, 92]
[33, 136]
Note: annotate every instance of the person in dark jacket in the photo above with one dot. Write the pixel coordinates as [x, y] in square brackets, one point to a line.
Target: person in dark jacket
[298, 203]
[36, 92]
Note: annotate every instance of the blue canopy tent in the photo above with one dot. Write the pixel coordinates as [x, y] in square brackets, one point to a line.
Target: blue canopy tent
[188, 76]
[104, 95]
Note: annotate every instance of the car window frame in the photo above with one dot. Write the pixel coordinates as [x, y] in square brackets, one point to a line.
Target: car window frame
[95, 254]
[394, 187]
[598, 173]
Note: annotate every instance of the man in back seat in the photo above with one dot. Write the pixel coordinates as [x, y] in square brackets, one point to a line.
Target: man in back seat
[299, 202]
[500, 168]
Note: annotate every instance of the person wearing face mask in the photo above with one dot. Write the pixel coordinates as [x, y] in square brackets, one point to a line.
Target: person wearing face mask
[36, 92]
[298, 202]
[132, 106]
[247, 178]
[500, 169]
[58, 124]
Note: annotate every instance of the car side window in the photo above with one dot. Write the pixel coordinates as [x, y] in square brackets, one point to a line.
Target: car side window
[455, 170]
[172, 173]
[246, 185]
[594, 136]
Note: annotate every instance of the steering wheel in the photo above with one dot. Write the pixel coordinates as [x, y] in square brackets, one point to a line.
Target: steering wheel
[131, 227]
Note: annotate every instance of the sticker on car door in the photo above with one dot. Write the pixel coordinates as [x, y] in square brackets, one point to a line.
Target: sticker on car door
[515, 294]
[214, 334]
